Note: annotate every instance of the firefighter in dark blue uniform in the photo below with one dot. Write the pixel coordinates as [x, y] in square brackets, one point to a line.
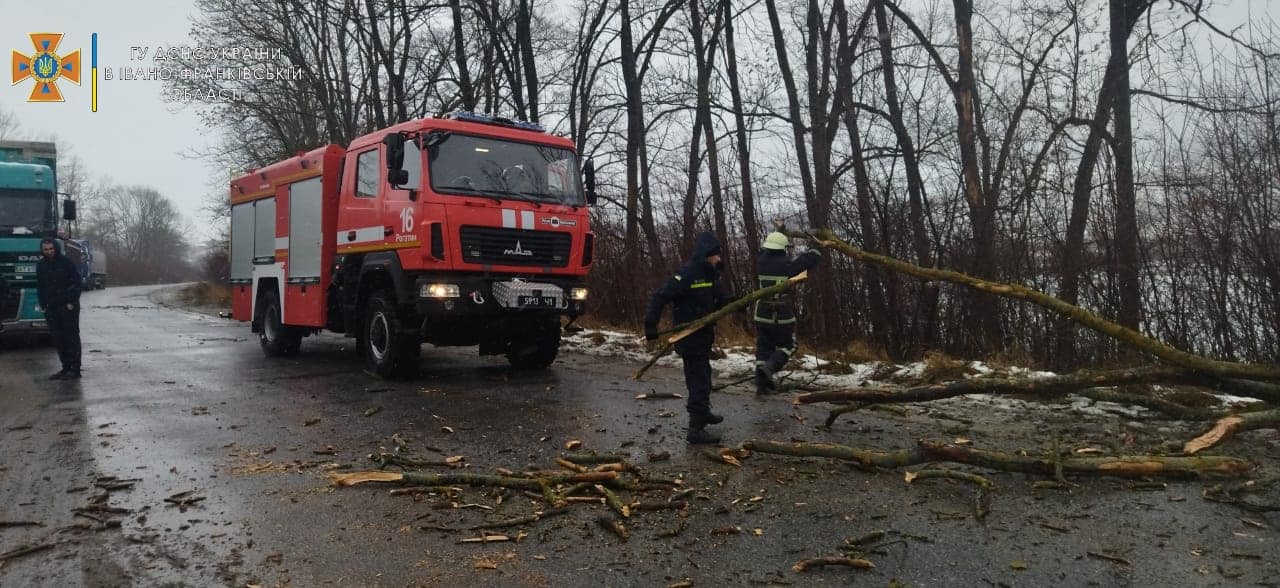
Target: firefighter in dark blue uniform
[693, 292]
[775, 316]
[58, 287]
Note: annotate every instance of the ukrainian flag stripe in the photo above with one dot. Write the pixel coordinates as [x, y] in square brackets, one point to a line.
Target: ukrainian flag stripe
[93, 82]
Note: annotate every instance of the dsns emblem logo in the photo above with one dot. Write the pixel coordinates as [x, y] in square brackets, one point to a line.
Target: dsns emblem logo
[46, 67]
[518, 251]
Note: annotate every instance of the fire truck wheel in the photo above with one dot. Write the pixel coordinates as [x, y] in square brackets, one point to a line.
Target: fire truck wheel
[388, 350]
[536, 345]
[277, 338]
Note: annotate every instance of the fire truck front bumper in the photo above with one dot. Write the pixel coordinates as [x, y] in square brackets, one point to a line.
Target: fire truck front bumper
[477, 296]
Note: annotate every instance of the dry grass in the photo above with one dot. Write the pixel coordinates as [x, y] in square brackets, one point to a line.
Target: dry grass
[206, 294]
[859, 351]
[940, 367]
[1013, 357]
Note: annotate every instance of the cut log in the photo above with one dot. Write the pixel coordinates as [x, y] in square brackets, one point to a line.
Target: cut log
[1080, 316]
[1137, 466]
[1142, 466]
[1228, 426]
[611, 498]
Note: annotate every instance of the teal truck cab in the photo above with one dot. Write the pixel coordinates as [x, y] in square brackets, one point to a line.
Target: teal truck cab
[28, 213]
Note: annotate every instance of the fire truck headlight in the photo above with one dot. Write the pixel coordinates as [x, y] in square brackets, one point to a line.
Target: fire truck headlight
[439, 291]
[578, 293]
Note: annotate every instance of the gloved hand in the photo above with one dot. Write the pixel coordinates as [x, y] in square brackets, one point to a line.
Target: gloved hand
[651, 338]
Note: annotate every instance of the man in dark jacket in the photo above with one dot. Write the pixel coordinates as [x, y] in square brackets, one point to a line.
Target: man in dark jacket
[4, 296]
[693, 292]
[775, 316]
[58, 286]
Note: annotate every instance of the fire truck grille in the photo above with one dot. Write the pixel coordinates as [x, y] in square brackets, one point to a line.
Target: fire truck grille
[490, 245]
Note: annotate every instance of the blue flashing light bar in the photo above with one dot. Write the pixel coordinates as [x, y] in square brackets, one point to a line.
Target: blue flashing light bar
[486, 119]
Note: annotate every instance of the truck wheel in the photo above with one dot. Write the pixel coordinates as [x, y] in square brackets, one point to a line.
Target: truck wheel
[388, 350]
[535, 344]
[277, 338]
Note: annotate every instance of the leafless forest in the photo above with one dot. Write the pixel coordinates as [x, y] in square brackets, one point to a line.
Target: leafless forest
[1118, 154]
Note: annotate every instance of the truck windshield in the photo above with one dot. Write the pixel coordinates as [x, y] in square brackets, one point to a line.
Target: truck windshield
[481, 166]
[25, 210]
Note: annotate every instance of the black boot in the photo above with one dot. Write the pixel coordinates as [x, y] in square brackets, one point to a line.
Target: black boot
[701, 436]
[764, 381]
[62, 375]
[713, 418]
[72, 375]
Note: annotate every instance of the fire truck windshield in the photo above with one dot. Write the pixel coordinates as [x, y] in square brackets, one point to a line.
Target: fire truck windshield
[25, 210]
[468, 165]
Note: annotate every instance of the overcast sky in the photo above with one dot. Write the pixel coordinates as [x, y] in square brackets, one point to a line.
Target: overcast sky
[135, 137]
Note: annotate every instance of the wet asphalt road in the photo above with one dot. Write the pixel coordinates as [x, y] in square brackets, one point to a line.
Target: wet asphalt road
[185, 402]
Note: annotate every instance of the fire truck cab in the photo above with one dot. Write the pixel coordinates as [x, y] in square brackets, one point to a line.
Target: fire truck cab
[462, 230]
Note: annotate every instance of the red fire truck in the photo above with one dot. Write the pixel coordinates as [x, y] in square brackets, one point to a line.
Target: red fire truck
[463, 230]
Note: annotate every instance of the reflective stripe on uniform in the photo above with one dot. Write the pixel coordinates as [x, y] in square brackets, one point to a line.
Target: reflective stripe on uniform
[700, 284]
[770, 316]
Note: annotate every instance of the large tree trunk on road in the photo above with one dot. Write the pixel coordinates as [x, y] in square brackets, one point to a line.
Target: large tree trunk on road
[1137, 466]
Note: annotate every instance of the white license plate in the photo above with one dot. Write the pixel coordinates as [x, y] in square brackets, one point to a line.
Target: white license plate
[536, 301]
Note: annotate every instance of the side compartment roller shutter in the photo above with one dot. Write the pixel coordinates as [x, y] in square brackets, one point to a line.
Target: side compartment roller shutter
[242, 243]
[305, 231]
[264, 222]
[305, 297]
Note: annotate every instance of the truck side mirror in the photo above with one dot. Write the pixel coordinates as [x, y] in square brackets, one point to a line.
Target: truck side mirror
[396, 174]
[590, 172]
[397, 177]
[69, 209]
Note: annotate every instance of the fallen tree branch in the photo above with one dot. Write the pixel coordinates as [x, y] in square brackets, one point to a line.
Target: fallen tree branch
[949, 474]
[1228, 426]
[596, 458]
[1076, 314]
[614, 526]
[24, 550]
[1058, 384]
[1173, 409]
[981, 501]
[385, 460]
[711, 318]
[6, 524]
[817, 562]
[459, 479]
[525, 520]
[1140, 466]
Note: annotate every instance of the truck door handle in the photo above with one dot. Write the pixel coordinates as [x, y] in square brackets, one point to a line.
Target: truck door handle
[351, 235]
[388, 230]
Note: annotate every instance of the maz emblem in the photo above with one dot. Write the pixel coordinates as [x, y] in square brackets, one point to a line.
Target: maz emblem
[518, 251]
